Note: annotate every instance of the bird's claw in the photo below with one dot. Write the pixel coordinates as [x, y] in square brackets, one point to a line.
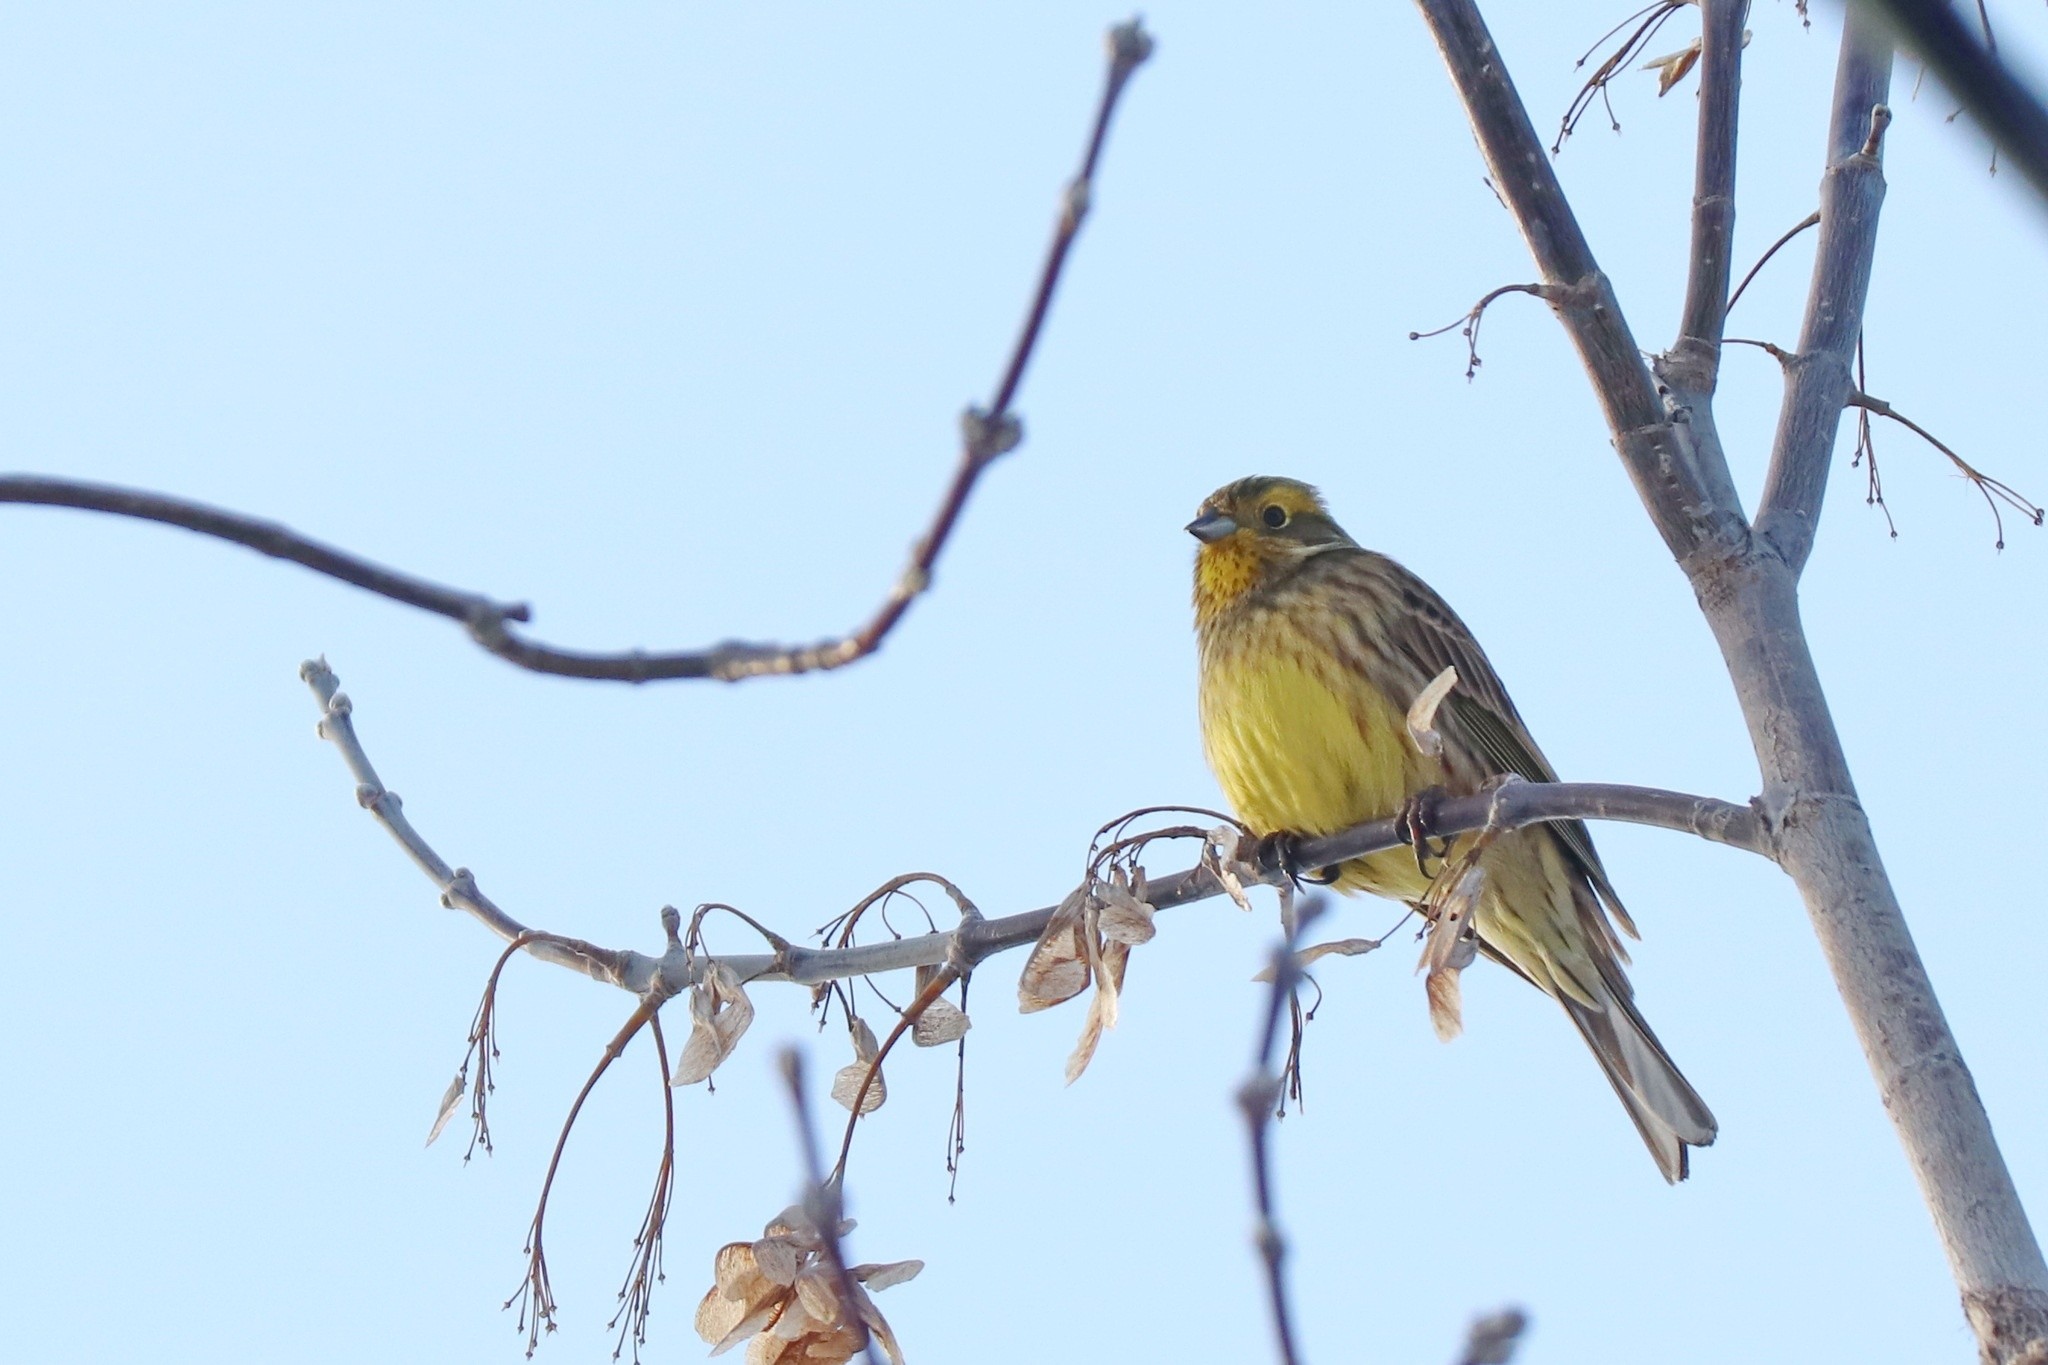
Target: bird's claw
[1416, 820]
[1281, 853]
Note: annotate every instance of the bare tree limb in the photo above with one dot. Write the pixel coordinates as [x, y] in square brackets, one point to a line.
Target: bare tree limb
[1749, 595]
[976, 938]
[1689, 372]
[1818, 381]
[1688, 492]
[986, 433]
[1713, 199]
[458, 888]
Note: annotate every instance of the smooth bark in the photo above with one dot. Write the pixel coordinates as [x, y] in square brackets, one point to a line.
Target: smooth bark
[1747, 585]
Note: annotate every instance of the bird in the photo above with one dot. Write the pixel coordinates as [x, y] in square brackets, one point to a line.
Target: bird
[1312, 651]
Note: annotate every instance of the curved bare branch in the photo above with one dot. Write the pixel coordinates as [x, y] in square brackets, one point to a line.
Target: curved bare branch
[986, 433]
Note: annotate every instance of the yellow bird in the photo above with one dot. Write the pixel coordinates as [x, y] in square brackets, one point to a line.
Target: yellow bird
[1312, 652]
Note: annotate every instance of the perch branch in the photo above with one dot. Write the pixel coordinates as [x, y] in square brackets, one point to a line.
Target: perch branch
[986, 434]
[976, 938]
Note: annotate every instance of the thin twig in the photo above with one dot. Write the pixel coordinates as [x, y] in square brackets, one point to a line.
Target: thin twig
[483, 1046]
[636, 1295]
[1472, 319]
[1810, 220]
[1257, 1098]
[986, 434]
[941, 980]
[1866, 454]
[823, 1202]
[1653, 16]
[536, 1296]
[1993, 491]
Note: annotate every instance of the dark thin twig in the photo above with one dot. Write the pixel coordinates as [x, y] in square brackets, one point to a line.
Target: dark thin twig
[536, 1296]
[823, 1202]
[1866, 453]
[1470, 322]
[956, 1126]
[636, 1295]
[1257, 1099]
[1810, 220]
[941, 979]
[1653, 16]
[483, 1045]
[986, 433]
[1993, 491]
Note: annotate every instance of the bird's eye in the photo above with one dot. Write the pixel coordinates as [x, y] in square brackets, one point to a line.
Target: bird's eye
[1274, 516]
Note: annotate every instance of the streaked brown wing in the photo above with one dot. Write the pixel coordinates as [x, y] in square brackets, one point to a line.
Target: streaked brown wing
[1428, 635]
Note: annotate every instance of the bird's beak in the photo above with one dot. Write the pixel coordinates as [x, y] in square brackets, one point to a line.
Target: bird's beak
[1211, 527]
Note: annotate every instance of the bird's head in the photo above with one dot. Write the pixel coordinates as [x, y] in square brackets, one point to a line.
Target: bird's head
[1253, 533]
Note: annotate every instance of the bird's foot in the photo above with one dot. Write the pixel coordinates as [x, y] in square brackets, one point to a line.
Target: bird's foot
[1281, 853]
[1416, 821]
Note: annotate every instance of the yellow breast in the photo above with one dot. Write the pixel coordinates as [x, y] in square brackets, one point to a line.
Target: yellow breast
[1301, 742]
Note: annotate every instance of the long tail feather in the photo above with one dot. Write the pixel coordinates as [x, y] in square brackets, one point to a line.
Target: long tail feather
[1667, 1111]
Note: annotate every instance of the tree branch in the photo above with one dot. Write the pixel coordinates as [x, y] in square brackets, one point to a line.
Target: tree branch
[1818, 380]
[1687, 491]
[975, 939]
[986, 433]
[1713, 199]
[1749, 595]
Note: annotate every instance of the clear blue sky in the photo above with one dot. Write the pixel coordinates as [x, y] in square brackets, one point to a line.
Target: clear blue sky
[660, 315]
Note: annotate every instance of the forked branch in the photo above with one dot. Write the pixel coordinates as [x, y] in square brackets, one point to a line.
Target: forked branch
[1686, 490]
